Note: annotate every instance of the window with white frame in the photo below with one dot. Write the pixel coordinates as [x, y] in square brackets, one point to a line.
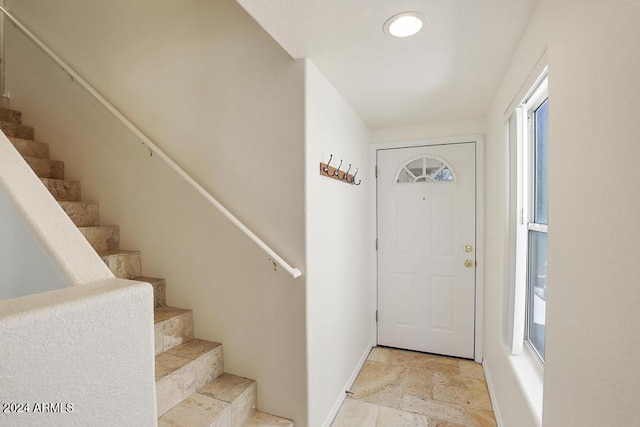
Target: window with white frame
[528, 133]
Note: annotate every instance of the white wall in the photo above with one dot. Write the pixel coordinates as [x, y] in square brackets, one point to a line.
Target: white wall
[210, 87]
[340, 248]
[591, 376]
[88, 348]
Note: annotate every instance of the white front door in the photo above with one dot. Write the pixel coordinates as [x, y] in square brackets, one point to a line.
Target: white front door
[426, 248]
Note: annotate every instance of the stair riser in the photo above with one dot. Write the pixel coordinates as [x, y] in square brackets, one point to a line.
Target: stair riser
[228, 400]
[46, 168]
[179, 385]
[159, 289]
[83, 214]
[63, 191]
[159, 293]
[242, 407]
[31, 148]
[104, 238]
[17, 131]
[238, 393]
[173, 332]
[12, 116]
[124, 266]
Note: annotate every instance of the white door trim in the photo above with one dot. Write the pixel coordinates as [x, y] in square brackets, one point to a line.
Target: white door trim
[479, 141]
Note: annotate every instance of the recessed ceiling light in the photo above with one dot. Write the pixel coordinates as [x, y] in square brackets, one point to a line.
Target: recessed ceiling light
[404, 24]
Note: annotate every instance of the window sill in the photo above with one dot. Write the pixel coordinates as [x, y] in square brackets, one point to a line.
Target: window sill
[529, 374]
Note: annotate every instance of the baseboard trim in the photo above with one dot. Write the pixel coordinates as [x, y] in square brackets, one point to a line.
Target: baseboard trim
[352, 378]
[492, 395]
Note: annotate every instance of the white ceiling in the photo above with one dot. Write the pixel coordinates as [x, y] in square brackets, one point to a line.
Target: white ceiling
[449, 72]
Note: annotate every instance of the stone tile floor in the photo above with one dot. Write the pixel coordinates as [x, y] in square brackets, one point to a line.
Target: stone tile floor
[398, 388]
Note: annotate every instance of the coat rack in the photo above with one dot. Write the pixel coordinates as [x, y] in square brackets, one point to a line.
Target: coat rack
[335, 173]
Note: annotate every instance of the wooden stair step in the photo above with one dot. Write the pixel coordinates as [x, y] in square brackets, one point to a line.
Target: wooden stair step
[30, 148]
[17, 130]
[9, 115]
[172, 327]
[83, 214]
[102, 237]
[184, 369]
[63, 190]
[122, 263]
[46, 168]
[228, 400]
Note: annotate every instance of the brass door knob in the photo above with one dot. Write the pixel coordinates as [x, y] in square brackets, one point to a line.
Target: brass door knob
[468, 248]
[468, 263]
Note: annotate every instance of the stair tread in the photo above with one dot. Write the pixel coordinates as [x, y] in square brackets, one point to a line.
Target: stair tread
[41, 159]
[98, 227]
[174, 359]
[193, 349]
[2, 122]
[167, 312]
[167, 363]
[262, 419]
[77, 203]
[226, 387]
[61, 181]
[147, 279]
[112, 252]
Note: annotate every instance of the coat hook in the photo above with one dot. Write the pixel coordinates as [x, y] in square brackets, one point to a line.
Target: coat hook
[346, 174]
[326, 168]
[337, 171]
[353, 180]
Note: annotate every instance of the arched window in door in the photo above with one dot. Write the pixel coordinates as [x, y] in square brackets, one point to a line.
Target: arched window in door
[424, 169]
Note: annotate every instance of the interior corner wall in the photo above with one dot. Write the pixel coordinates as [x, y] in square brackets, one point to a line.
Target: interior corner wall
[225, 101]
[340, 248]
[590, 374]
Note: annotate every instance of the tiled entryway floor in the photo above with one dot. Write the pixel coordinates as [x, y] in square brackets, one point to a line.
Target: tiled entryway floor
[398, 388]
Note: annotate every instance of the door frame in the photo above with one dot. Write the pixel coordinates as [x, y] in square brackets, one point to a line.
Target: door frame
[478, 140]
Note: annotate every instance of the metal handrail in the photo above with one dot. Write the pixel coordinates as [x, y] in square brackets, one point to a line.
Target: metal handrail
[277, 259]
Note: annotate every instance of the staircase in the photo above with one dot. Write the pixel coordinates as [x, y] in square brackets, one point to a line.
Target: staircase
[191, 387]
